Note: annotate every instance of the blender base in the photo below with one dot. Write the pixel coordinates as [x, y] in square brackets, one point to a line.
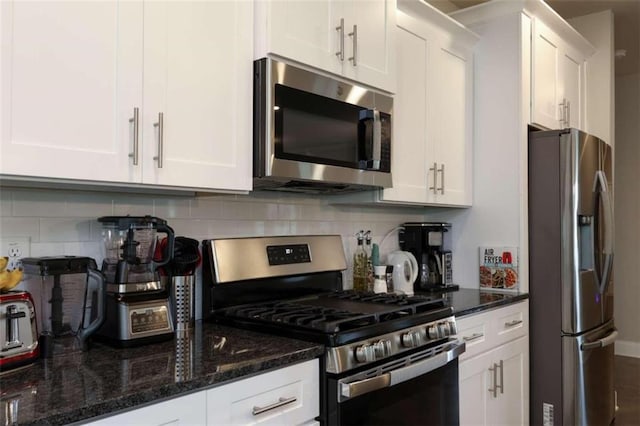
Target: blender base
[132, 321]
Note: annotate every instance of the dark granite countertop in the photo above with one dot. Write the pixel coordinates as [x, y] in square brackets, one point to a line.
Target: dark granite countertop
[470, 301]
[105, 380]
[466, 301]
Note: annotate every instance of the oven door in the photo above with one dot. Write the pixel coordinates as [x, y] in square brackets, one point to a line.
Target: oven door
[420, 389]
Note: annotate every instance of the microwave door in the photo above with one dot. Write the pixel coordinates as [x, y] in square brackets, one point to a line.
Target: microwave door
[370, 139]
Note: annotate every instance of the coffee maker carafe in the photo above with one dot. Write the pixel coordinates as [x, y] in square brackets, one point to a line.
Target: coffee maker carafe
[430, 244]
[137, 299]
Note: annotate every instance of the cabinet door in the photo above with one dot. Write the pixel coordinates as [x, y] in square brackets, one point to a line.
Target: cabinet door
[71, 78]
[372, 44]
[454, 122]
[411, 150]
[306, 31]
[474, 384]
[480, 375]
[185, 410]
[572, 82]
[198, 75]
[545, 90]
[509, 407]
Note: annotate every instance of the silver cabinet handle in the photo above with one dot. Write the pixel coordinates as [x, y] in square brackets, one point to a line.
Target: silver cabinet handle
[354, 34]
[474, 336]
[568, 114]
[160, 126]
[441, 170]
[512, 323]
[135, 121]
[494, 369]
[280, 403]
[340, 30]
[435, 177]
[563, 112]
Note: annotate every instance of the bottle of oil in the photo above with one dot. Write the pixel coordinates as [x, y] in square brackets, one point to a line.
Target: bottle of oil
[369, 265]
[360, 265]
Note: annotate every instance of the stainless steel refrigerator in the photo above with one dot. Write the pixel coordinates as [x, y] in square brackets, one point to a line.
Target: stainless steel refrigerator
[570, 283]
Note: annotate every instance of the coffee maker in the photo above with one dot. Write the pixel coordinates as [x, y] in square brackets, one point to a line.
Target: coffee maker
[429, 242]
[137, 308]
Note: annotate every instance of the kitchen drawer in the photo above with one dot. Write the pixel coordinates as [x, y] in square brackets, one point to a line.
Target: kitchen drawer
[286, 396]
[475, 331]
[185, 410]
[492, 328]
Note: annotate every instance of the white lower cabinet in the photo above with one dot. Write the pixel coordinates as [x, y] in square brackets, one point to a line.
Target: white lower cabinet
[288, 396]
[494, 372]
[492, 386]
[185, 410]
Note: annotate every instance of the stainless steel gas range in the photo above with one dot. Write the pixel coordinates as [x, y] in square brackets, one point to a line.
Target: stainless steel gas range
[390, 359]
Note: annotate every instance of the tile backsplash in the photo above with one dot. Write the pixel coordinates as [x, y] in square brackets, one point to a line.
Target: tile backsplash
[64, 222]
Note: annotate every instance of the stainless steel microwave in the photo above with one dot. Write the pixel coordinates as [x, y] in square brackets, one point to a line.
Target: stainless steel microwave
[317, 134]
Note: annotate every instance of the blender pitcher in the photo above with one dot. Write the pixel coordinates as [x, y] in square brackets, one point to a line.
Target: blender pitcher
[71, 292]
[130, 244]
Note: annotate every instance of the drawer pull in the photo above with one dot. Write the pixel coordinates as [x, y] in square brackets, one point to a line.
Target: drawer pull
[512, 323]
[474, 336]
[280, 403]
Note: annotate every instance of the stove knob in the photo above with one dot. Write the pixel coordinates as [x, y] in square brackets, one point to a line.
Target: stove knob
[432, 331]
[382, 348]
[411, 339]
[452, 328]
[365, 353]
[443, 329]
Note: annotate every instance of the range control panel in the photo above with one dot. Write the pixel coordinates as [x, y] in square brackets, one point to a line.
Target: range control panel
[288, 254]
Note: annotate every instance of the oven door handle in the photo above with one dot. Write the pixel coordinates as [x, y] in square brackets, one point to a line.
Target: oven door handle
[394, 377]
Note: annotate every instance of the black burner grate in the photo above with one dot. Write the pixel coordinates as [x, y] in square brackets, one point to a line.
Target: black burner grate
[336, 312]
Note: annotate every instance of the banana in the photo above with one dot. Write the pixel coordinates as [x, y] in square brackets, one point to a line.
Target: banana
[10, 279]
[3, 263]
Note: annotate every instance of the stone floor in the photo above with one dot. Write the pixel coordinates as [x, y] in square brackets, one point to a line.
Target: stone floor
[627, 384]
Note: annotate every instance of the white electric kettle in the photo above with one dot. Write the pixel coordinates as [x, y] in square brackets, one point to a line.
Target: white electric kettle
[405, 271]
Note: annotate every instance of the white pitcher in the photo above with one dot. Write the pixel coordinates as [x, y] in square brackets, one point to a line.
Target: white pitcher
[405, 271]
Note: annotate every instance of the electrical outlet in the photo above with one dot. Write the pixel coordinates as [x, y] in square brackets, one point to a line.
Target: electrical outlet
[15, 248]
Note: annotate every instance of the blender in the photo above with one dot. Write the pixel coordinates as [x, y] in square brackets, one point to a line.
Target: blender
[137, 301]
[71, 292]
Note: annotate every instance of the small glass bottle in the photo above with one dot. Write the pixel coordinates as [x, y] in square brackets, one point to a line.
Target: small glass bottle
[360, 265]
[369, 265]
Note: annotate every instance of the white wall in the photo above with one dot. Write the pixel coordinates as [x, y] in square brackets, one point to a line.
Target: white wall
[60, 222]
[627, 214]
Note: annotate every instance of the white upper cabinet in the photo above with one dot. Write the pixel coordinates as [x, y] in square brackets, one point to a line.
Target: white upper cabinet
[71, 78]
[198, 75]
[128, 92]
[433, 110]
[557, 80]
[353, 39]
[552, 66]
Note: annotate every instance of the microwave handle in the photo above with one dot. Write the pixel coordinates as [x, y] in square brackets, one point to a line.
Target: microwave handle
[373, 116]
[377, 140]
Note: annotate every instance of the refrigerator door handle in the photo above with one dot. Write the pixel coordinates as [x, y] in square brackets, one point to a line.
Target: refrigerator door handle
[600, 343]
[607, 210]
